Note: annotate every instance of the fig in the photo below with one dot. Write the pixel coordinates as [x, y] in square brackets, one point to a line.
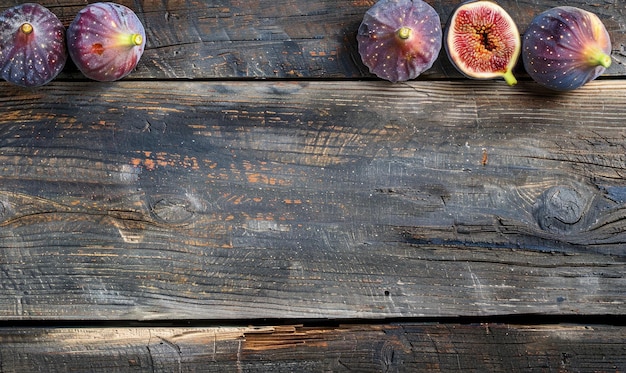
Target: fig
[106, 41]
[482, 41]
[566, 47]
[32, 45]
[399, 39]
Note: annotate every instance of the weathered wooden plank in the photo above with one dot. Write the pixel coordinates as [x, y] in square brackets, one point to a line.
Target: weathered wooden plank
[286, 38]
[304, 199]
[363, 348]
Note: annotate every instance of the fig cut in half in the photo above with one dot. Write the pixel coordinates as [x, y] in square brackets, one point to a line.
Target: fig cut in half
[482, 41]
[399, 39]
[32, 45]
[566, 47]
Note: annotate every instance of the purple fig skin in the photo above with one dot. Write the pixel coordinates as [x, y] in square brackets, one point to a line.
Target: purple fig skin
[399, 39]
[106, 41]
[566, 47]
[32, 45]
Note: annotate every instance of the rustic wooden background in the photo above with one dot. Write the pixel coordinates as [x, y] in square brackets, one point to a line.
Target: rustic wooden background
[251, 199]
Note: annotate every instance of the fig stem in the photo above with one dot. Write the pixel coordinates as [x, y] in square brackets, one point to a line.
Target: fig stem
[597, 57]
[404, 33]
[26, 28]
[604, 60]
[509, 78]
[136, 39]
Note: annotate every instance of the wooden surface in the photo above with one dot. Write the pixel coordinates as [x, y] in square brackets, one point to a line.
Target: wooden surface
[362, 348]
[251, 169]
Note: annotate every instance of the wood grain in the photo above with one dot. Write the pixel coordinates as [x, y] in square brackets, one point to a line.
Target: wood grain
[287, 38]
[251, 169]
[364, 348]
[196, 200]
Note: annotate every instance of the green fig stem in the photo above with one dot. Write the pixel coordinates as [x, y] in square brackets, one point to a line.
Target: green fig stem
[509, 78]
[604, 60]
[403, 33]
[136, 39]
[597, 57]
[26, 28]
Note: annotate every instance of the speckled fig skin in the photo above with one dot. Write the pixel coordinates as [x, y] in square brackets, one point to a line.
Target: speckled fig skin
[482, 41]
[566, 47]
[399, 39]
[32, 45]
[106, 41]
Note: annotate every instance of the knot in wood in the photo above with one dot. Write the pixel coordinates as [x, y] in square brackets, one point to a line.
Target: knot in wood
[6, 211]
[173, 210]
[560, 208]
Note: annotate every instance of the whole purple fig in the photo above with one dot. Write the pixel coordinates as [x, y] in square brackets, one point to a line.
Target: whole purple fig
[106, 41]
[399, 39]
[32, 45]
[566, 47]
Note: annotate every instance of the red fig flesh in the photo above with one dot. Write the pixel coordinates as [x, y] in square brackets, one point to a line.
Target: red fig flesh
[106, 41]
[566, 47]
[32, 45]
[482, 41]
[399, 39]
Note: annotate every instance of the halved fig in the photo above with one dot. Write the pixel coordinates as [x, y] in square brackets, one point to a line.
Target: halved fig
[399, 39]
[566, 47]
[32, 45]
[482, 41]
[106, 41]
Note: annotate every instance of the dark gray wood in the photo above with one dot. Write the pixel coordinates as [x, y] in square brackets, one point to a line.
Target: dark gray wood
[287, 38]
[167, 200]
[243, 172]
[364, 348]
